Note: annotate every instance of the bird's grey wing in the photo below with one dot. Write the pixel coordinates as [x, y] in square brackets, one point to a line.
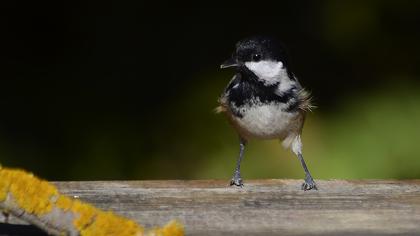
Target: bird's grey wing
[224, 96]
[299, 86]
[235, 80]
[304, 97]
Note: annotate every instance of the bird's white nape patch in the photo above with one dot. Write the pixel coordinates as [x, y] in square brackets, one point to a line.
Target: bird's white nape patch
[270, 72]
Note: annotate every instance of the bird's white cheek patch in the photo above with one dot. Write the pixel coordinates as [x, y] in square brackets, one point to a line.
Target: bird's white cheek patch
[271, 72]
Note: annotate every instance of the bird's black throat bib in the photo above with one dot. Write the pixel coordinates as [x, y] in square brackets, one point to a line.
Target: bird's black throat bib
[245, 92]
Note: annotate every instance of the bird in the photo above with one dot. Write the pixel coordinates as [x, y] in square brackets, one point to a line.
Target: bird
[264, 100]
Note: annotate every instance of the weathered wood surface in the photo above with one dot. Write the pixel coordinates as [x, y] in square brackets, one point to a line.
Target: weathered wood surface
[261, 207]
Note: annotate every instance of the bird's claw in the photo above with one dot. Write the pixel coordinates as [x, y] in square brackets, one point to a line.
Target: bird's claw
[309, 184]
[236, 180]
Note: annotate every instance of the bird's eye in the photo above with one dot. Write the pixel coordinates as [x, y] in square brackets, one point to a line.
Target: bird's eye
[256, 57]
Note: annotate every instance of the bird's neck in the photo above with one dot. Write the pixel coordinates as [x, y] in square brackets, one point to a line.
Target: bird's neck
[286, 83]
[246, 89]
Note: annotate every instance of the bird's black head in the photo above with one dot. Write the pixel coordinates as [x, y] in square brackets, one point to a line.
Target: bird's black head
[255, 49]
[260, 56]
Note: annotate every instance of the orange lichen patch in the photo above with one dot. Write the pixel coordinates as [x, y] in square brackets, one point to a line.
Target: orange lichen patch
[107, 223]
[173, 228]
[30, 193]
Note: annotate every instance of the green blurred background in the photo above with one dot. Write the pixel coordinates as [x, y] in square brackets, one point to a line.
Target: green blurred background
[125, 90]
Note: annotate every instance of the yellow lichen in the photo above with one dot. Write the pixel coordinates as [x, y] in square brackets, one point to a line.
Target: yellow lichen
[38, 197]
[30, 193]
[107, 223]
[85, 214]
[92, 221]
[173, 228]
[4, 184]
[64, 202]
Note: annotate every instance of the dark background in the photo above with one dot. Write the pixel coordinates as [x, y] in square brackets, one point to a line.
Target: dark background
[127, 90]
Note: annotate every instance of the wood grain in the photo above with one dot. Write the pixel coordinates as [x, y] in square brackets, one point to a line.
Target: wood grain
[261, 207]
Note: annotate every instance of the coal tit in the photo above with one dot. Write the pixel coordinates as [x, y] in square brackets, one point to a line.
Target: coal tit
[264, 99]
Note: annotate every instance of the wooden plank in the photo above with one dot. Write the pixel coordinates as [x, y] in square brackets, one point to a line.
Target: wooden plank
[262, 207]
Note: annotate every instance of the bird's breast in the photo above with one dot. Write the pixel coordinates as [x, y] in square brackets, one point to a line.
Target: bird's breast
[266, 120]
[261, 111]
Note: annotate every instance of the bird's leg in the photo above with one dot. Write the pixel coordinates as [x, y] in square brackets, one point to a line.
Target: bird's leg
[309, 181]
[237, 180]
[297, 149]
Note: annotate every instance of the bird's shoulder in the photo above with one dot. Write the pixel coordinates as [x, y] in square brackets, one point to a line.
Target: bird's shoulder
[241, 91]
[224, 97]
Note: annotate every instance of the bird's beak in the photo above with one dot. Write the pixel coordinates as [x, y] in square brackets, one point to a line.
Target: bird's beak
[231, 62]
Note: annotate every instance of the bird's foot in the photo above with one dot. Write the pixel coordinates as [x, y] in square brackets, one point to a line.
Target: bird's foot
[237, 180]
[309, 184]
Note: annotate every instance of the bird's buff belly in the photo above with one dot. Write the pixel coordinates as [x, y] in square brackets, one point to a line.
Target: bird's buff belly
[267, 121]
